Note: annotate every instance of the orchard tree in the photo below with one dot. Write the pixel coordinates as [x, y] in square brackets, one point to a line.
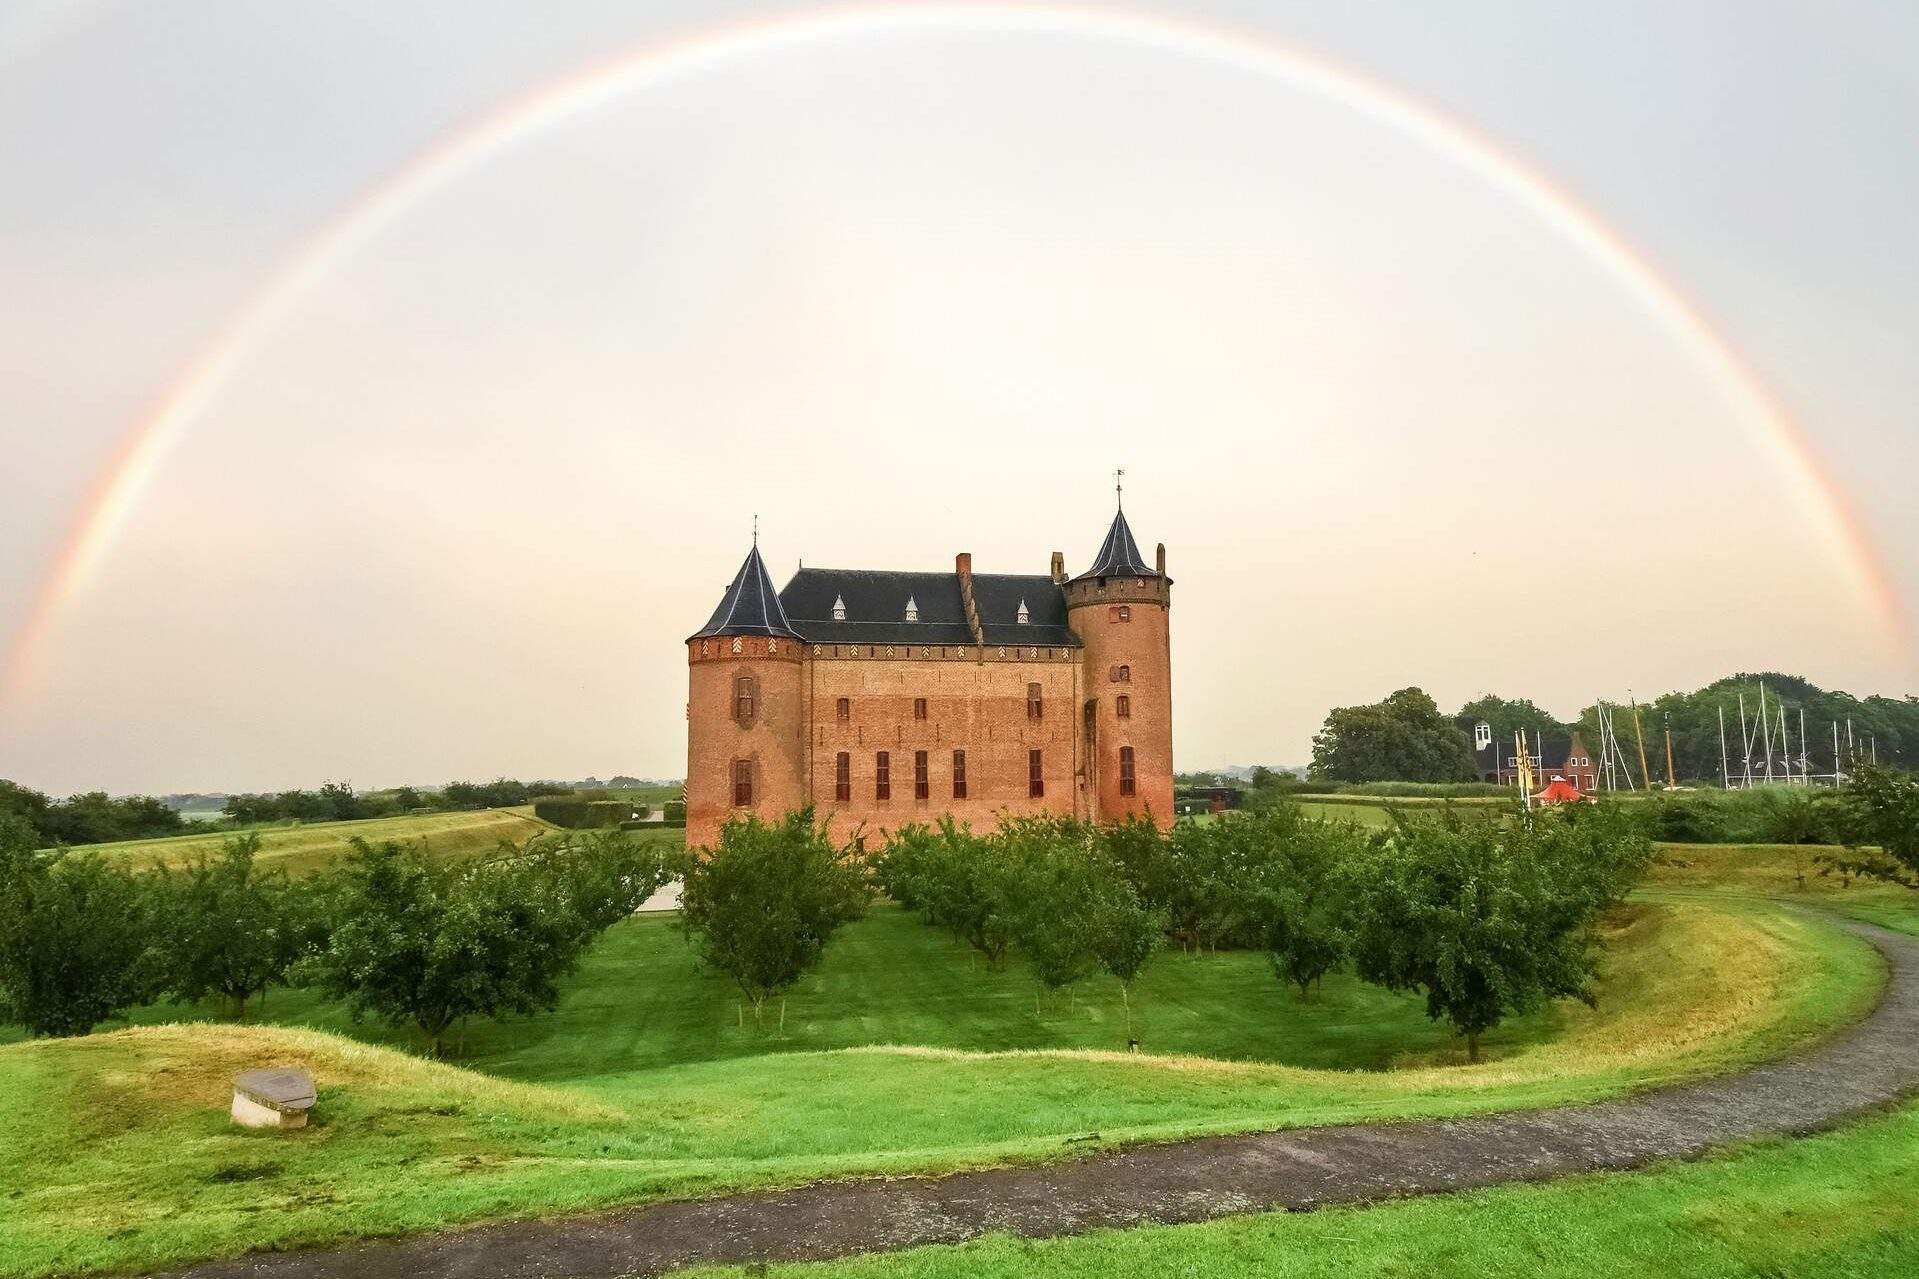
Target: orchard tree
[229, 927]
[424, 943]
[75, 937]
[1879, 816]
[762, 904]
[1303, 897]
[1126, 934]
[1474, 916]
[1402, 739]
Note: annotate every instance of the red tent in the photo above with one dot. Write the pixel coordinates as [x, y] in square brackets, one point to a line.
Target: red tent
[1560, 791]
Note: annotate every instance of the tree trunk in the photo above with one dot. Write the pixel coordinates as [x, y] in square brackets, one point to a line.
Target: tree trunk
[1472, 1046]
[782, 1014]
[1126, 1002]
[233, 1006]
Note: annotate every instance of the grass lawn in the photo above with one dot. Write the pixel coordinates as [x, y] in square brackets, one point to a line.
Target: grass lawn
[311, 845]
[1837, 1206]
[898, 1055]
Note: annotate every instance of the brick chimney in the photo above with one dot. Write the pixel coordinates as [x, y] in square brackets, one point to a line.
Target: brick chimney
[1159, 559]
[1059, 568]
[963, 566]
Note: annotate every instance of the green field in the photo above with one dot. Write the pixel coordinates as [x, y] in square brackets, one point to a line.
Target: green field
[306, 846]
[899, 1055]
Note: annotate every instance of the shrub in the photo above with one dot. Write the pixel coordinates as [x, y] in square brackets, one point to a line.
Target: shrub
[230, 928]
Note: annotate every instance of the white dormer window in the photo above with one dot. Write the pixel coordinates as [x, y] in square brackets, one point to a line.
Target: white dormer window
[1022, 617]
[839, 608]
[912, 609]
[1482, 735]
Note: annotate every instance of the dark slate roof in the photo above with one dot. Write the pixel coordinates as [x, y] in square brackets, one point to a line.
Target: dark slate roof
[876, 608]
[750, 605]
[1118, 555]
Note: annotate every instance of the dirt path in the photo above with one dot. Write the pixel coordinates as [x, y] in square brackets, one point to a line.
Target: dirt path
[1869, 1066]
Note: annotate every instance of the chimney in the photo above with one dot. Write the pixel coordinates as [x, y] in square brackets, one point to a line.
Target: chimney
[1159, 560]
[963, 566]
[1059, 568]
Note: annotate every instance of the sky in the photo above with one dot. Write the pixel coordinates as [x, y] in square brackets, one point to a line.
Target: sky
[457, 454]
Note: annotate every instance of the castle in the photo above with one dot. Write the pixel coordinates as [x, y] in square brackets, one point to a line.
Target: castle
[882, 699]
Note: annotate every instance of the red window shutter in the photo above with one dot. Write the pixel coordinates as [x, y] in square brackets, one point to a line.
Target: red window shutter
[1123, 706]
[1035, 774]
[922, 784]
[1033, 703]
[844, 709]
[883, 776]
[959, 774]
[1126, 782]
[919, 708]
[742, 782]
[842, 777]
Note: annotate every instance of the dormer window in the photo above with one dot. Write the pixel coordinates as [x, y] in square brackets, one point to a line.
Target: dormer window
[912, 609]
[1023, 616]
[1482, 735]
[839, 608]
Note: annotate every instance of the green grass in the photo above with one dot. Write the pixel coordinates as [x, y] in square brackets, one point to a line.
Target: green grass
[310, 845]
[1837, 1206]
[1782, 872]
[115, 1151]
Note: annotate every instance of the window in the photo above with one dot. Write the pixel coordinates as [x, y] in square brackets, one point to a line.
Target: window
[959, 774]
[1123, 706]
[742, 782]
[1035, 774]
[744, 698]
[842, 777]
[839, 608]
[844, 709]
[1119, 613]
[883, 776]
[1482, 735]
[1121, 674]
[919, 708]
[1024, 616]
[1032, 701]
[912, 609]
[922, 784]
[1127, 785]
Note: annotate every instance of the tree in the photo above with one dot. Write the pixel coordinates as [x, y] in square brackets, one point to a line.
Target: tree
[426, 943]
[1479, 916]
[1126, 934]
[1403, 738]
[763, 903]
[1054, 893]
[1880, 819]
[75, 937]
[230, 927]
[1302, 895]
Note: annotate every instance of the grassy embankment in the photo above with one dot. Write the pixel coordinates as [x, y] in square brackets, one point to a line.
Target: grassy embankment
[307, 846]
[646, 1085]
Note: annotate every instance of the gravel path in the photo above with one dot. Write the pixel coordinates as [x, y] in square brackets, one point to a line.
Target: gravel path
[1869, 1066]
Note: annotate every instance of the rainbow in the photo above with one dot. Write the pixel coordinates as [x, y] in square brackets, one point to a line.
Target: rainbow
[143, 447]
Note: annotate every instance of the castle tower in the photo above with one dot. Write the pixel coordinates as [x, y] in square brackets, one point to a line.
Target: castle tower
[1120, 608]
[745, 738]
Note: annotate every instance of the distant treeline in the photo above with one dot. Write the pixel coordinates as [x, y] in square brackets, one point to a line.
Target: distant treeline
[339, 802]
[92, 818]
[98, 818]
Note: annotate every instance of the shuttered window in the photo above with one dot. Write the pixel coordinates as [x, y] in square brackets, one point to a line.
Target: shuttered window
[1035, 774]
[745, 698]
[742, 782]
[842, 777]
[1126, 782]
[959, 774]
[883, 776]
[922, 784]
[919, 708]
[1123, 706]
[1033, 703]
[844, 709]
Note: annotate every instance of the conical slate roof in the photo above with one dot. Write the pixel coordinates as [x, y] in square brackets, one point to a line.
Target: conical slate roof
[750, 606]
[1118, 555]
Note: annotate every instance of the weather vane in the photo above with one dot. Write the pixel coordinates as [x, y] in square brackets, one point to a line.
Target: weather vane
[756, 528]
[1119, 490]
